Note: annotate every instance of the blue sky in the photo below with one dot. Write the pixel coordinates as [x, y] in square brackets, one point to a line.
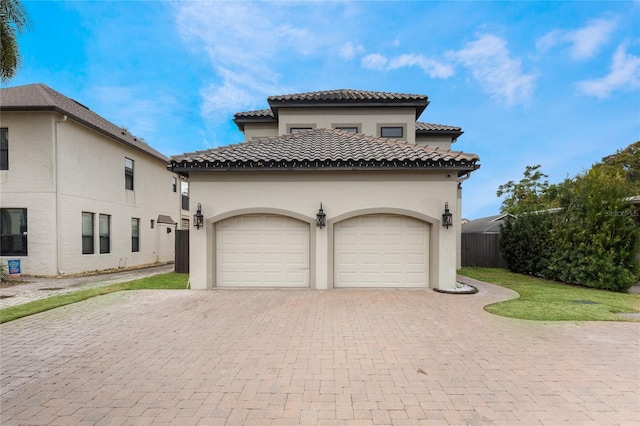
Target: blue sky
[550, 83]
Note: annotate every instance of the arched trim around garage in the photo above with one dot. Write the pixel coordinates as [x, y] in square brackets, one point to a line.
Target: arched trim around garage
[211, 227]
[434, 237]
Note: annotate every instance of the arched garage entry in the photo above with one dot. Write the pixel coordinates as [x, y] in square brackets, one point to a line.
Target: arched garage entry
[387, 248]
[262, 250]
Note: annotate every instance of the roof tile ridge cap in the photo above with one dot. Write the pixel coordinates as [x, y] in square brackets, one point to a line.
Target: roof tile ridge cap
[44, 91]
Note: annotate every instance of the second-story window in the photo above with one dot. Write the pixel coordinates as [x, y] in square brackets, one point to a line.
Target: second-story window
[175, 184]
[391, 132]
[4, 148]
[348, 128]
[128, 173]
[300, 129]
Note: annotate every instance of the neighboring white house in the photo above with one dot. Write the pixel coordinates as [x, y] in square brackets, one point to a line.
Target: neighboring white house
[78, 193]
[382, 180]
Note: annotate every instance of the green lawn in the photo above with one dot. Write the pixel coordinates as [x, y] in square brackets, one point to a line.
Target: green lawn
[545, 300]
[168, 281]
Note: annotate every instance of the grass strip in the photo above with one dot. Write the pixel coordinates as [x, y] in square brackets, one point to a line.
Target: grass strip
[544, 300]
[170, 281]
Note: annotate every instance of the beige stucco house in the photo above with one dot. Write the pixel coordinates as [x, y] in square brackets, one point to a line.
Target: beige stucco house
[331, 189]
[78, 193]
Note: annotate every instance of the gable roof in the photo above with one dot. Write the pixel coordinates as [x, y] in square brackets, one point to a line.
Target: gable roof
[324, 149]
[485, 225]
[39, 97]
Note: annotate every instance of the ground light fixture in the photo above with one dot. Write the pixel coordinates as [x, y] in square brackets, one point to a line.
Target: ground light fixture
[447, 217]
[321, 218]
[198, 219]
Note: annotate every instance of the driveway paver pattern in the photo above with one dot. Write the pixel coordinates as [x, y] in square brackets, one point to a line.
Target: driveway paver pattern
[352, 357]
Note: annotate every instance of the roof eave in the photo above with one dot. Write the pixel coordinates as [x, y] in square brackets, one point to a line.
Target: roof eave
[462, 170]
[419, 105]
[53, 108]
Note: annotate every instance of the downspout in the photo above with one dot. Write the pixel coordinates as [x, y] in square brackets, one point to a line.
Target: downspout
[56, 178]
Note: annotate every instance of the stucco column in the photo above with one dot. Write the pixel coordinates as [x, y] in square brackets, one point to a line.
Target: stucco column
[322, 258]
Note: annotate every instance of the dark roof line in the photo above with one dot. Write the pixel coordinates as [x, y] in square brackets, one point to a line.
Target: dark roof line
[328, 149]
[39, 97]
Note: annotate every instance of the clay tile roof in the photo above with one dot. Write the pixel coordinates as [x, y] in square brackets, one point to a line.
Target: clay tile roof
[349, 97]
[348, 94]
[256, 113]
[323, 149]
[39, 97]
[429, 127]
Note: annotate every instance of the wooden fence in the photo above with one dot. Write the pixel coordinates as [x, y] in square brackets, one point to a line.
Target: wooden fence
[482, 250]
[182, 251]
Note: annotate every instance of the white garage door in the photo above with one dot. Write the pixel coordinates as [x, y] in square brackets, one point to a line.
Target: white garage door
[262, 251]
[381, 251]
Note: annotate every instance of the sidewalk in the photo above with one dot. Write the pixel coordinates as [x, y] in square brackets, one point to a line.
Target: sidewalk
[41, 288]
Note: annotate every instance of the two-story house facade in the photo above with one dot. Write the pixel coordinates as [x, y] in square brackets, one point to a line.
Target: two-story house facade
[78, 193]
[331, 189]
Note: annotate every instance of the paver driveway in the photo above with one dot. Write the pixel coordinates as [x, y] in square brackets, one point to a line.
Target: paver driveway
[313, 357]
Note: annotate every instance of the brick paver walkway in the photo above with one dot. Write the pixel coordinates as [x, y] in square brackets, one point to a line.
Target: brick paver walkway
[260, 357]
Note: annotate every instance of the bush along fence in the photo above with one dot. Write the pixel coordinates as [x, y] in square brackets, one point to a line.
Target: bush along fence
[591, 239]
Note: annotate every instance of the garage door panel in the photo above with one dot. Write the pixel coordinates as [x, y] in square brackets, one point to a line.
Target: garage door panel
[381, 251]
[262, 250]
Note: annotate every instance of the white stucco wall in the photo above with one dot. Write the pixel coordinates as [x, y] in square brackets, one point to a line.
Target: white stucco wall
[368, 120]
[59, 169]
[341, 193]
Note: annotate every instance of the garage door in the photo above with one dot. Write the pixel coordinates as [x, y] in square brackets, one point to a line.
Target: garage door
[262, 251]
[381, 251]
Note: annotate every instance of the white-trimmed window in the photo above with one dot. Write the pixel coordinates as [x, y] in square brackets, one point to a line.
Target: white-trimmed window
[13, 232]
[87, 233]
[4, 148]
[135, 234]
[128, 173]
[105, 233]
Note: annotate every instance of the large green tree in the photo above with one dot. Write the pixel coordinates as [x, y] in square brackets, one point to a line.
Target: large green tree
[581, 231]
[13, 20]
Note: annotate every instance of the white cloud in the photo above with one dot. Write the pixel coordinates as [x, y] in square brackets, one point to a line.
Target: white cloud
[374, 61]
[624, 74]
[431, 67]
[491, 64]
[585, 42]
[349, 50]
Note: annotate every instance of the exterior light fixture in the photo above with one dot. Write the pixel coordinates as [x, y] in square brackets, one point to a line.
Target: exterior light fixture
[447, 217]
[198, 219]
[321, 218]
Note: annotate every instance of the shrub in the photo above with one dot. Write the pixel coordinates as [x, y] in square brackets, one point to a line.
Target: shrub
[3, 272]
[592, 239]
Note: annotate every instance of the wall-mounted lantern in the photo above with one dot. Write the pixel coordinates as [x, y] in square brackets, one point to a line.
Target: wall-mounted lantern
[447, 217]
[321, 218]
[198, 219]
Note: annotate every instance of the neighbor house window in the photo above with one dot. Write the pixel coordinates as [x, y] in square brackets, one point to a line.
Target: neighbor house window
[175, 184]
[87, 233]
[4, 148]
[391, 132]
[348, 128]
[13, 232]
[135, 234]
[105, 233]
[128, 173]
